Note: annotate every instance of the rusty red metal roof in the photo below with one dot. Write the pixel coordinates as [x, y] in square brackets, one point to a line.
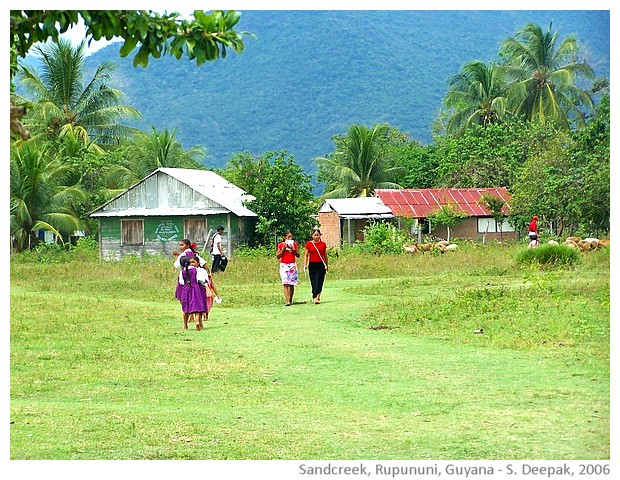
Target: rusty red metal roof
[419, 203]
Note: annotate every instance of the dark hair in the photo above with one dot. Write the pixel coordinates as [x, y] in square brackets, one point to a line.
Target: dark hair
[191, 246]
[220, 228]
[184, 261]
[316, 229]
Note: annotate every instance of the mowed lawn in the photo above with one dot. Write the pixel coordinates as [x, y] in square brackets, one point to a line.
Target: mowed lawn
[389, 366]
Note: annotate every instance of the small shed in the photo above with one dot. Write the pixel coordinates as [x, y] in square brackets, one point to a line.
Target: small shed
[343, 220]
[169, 205]
[479, 224]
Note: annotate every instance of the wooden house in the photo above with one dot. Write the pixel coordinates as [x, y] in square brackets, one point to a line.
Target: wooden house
[169, 205]
[420, 203]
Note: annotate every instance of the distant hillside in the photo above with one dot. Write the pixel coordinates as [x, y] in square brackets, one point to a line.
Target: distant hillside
[308, 75]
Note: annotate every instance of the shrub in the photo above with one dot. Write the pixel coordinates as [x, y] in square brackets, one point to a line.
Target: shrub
[381, 237]
[88, 244]
[549, 256]
[245, 252]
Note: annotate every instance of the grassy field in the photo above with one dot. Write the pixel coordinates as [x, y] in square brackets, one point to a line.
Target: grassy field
[389, 366]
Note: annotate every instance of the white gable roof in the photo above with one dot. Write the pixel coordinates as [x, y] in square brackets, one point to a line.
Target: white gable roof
[213, 194]
[359, 207]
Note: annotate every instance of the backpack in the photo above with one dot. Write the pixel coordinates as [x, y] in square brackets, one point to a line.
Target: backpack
[223, 263]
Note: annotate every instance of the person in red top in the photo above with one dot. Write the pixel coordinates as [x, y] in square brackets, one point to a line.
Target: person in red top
[533, 232]
[534, 228]
[315, 261]
[287, 253]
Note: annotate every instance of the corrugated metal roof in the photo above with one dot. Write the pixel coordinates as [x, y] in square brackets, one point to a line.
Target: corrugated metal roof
[422, 202]
[359, 207]
[215, 187]
[178, 191]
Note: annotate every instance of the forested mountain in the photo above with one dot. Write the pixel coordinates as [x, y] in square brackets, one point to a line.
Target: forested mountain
[308, 75]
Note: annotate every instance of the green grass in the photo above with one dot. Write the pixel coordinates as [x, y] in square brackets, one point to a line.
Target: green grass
[387, 367]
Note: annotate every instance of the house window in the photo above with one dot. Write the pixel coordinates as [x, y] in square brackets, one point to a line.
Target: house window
[132, 232]
[488, 225]
[196, 231]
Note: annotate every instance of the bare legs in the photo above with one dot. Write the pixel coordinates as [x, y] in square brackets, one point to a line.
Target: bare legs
[198, 316]
[289, 290]
[195, 317]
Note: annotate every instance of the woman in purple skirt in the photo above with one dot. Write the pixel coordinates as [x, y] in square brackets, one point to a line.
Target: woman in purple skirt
[192, 297]
[188, 249]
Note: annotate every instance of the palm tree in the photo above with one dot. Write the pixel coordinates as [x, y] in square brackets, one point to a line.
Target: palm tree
[146, 153]
[544, 77]
[39, 198]
[358, 166]
[477, 96]
[61, 99]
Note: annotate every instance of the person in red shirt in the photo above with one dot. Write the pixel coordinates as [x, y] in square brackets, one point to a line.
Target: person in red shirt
[315, 261]
[533, 233]
[287, 253]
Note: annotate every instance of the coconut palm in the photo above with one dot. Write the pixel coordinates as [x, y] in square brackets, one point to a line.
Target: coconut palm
[358, 166]
[476, 96]
[61, 98]
[39, 198]
[146, 153]
[544, 77]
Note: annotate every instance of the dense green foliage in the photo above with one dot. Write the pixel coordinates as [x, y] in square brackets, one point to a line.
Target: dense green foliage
[61, 99]
[381, 238]
[563, 176]
[545, 77]
[566, 180]
[478, 97]
[41, 197]
[332, 71]
[283, 194]
[206, 37]
[144, 153]
[359, 165]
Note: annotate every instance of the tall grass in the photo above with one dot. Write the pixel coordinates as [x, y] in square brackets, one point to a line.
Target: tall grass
[465, 355]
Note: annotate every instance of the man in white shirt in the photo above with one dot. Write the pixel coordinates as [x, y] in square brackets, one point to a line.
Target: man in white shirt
[216, 250]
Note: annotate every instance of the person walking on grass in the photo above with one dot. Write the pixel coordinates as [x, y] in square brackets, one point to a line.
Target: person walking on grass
[288, 252]
[217, 251]
[188, 249]
[315, 262]
[192, 299]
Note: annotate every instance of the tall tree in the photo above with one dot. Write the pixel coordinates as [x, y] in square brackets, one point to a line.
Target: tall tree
[282, 191]
[360, 164]
[548, 185]
[40, 198]
[62, 99]
[144, 153]
[495, 205]
[417, 161]
[545, 75]
[482, 157]
[476, 96]
[591, 151]
[447, 215]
